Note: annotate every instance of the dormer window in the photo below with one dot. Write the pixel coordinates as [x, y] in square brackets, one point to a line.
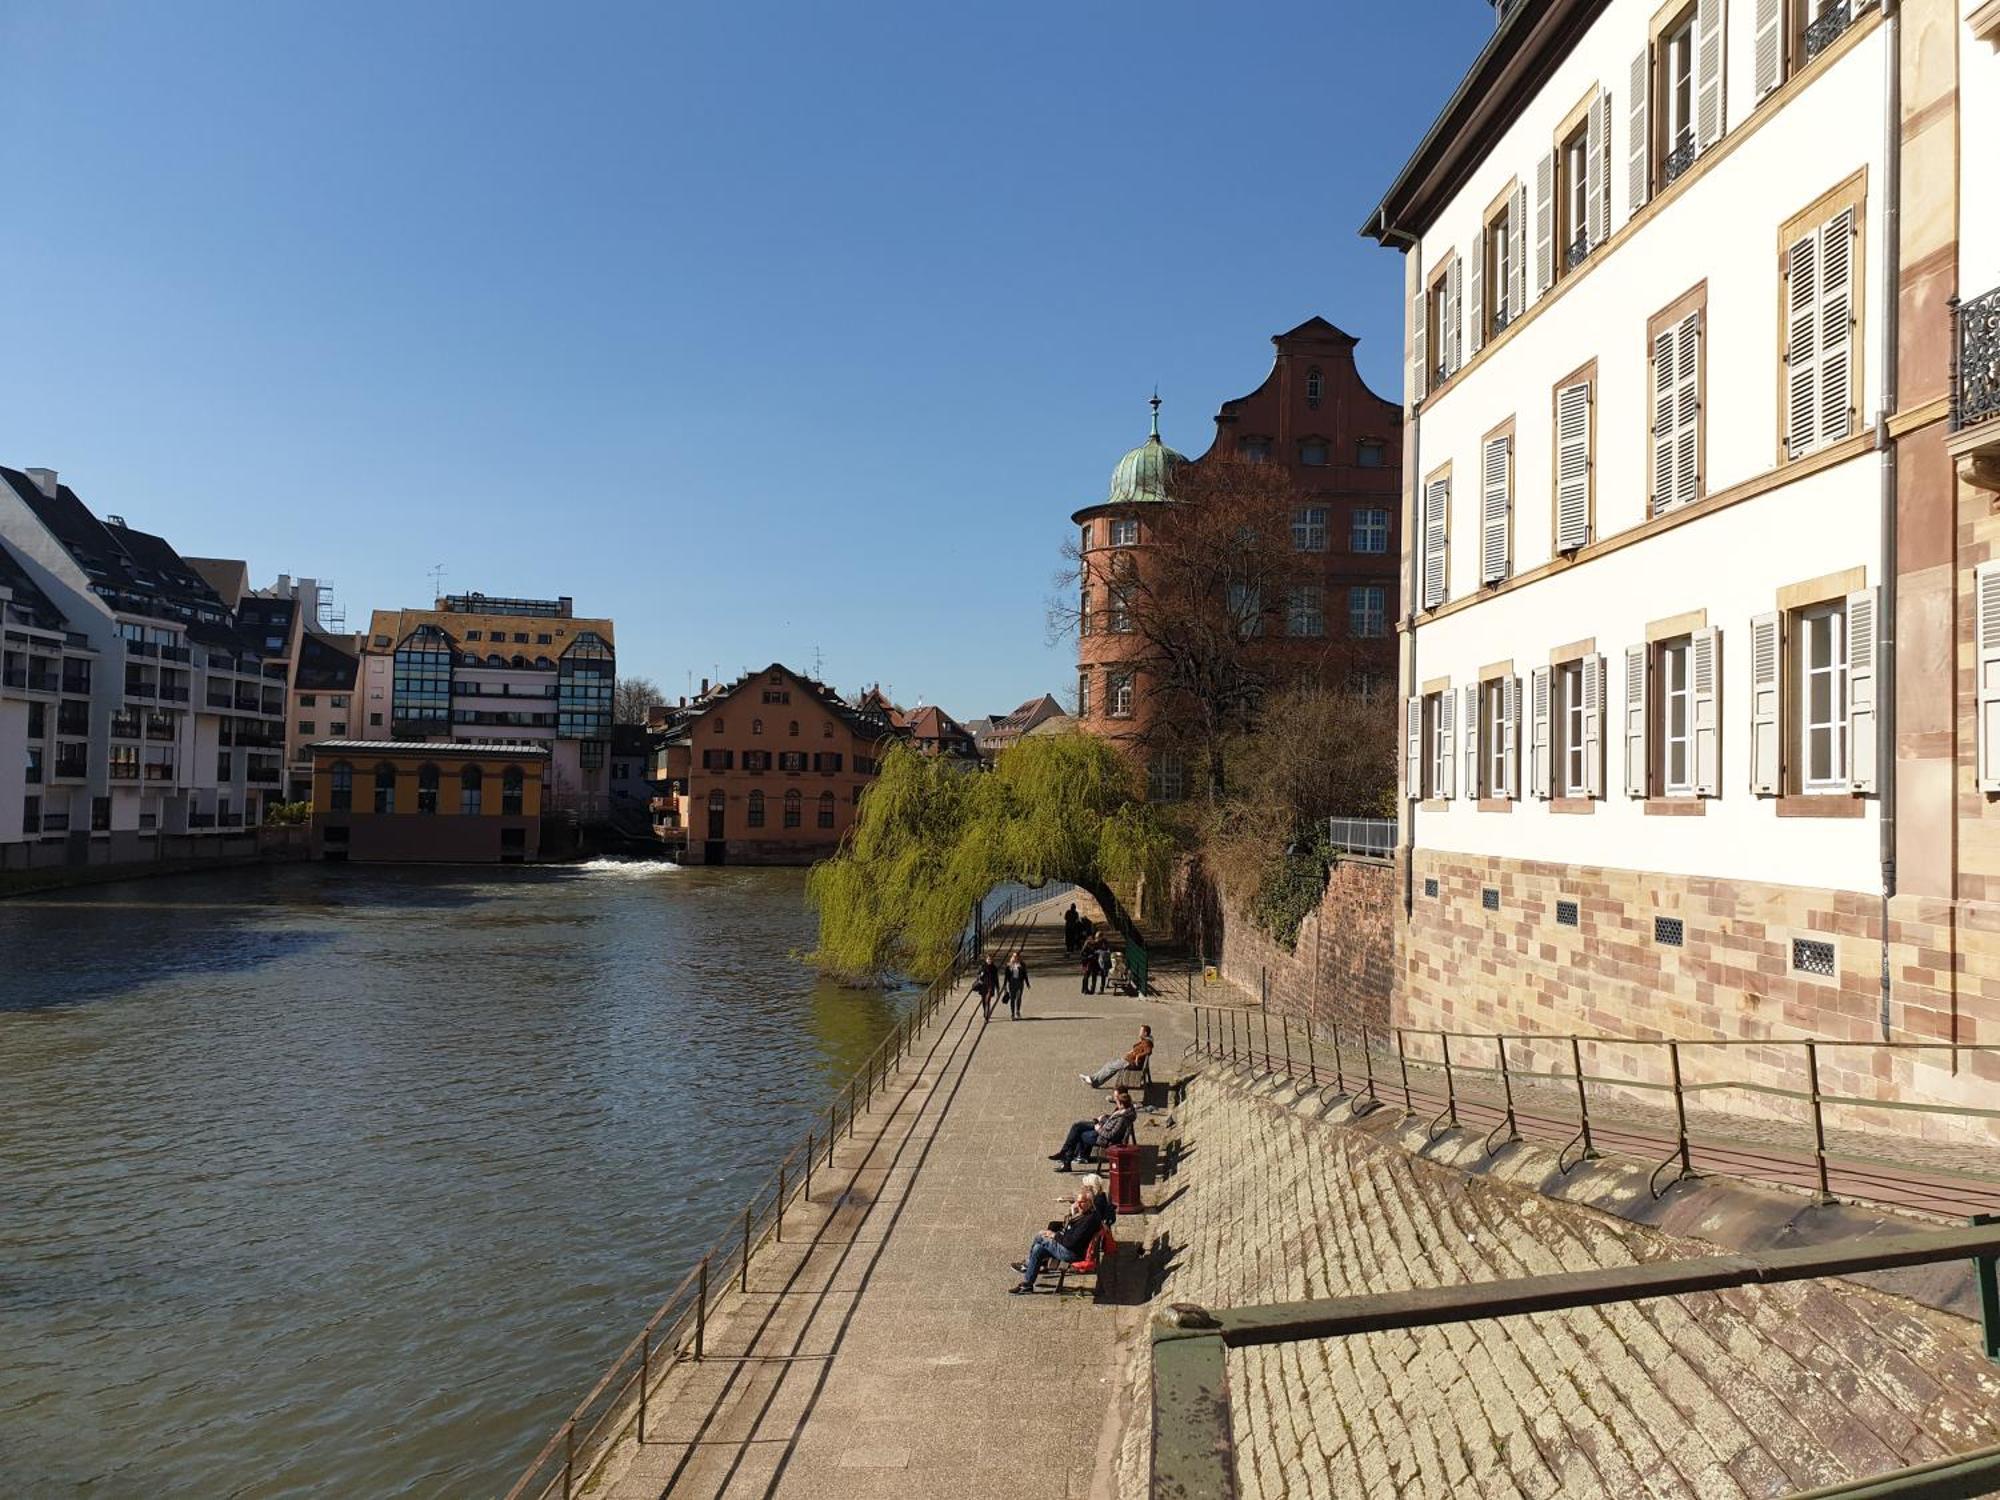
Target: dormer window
[1315, 386]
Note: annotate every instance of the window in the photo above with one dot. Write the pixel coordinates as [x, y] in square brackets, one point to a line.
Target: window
[510, 792]
[1246, 609]
[337, 728]
[307, 726]
[520, 638]
[1675, 430]
[1125, 533]
[545, 640]
[1497, 735]
[1083, 612]
[1499, 268]
[307, 700]
[338, 700]
[1123, 582]
[756, 726]
[1121, 695]
[793, 802]
[1368, 529]
[1573, 199]
[795, 729]
[1166, 777]
[717, 724]
[1820, 634]
[1437, 328]
[791, 760]
[374, 721]
[756, 760]
[1820, 272]
[1315, 386]
[1367, 611]
[1305, 611]
[1671, 716]
[1437, 744]
[473, 635]
[1253, 450]
[826, 809]
[469, 788]
[422, 683]
[1674, 88]
[718, 760]
[427, 789]
[1566, 702]
[1368, 453]
[827, 761]
[1083, 537]
[777, 695]
[1572, 778]
[1312, 453]
[340, 781]
[1083, 695]
[756, 813]
[385, 788]
[1309, 529]
[1575, 438]
[1818, 23]
[1676, 718]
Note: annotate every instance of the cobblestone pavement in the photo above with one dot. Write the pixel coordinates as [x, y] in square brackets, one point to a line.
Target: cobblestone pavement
[1750, 1392]
[877, 1353]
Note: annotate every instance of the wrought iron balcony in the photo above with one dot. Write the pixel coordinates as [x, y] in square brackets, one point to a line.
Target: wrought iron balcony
[1975, 369]
[1501, 318]
[1680, 158]
[1833, 20]
[1578, 249]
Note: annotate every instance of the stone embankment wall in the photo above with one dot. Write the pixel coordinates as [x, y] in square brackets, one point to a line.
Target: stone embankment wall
[1343, 967]
[1752, 1392]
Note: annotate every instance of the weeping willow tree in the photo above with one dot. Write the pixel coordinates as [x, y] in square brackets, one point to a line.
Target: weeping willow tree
[933, 839]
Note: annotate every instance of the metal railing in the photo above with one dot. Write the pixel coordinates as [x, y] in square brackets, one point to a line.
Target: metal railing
[623, 1398]
[1587, 1094]
[1821, 34]
[1193, 1435]
[1371, 836]
[1975, 362]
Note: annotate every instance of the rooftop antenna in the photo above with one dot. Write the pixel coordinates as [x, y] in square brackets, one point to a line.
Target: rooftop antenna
[437, 581]
[819, 670]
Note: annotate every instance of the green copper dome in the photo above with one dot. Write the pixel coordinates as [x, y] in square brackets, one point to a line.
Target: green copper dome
[1146, 472]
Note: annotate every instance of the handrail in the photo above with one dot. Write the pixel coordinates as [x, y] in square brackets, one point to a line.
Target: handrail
[677, 1330]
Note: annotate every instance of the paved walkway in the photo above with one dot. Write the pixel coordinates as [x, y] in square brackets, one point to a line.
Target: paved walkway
[877, 1353]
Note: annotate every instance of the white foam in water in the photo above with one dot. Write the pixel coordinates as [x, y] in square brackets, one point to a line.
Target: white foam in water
[628, 868]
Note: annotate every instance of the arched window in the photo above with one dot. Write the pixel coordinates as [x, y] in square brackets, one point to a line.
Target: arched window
[826, 809]
[718, 723]
[427, 789]
[793, 803]
[1315, 385]
[510, 792]
[795, 729]
[385, 788]
[471, 658]
[468, 790]
[521, 662]
[756, 726]
[342, 781]
[543, 663]
[826, 730]
[495, 659]
[756, 809]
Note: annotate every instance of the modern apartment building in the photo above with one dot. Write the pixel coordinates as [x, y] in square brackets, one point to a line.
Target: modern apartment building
[479, 668]
[165, 718]
[1696, 740]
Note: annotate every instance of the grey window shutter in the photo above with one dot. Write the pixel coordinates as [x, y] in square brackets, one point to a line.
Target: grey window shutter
[1495, 504]
[1861, 696]
[1769, 52]
[1593, 724]
[1437, 511]
[1594, 148]
[1836, 327]
[1639, 133]
[1517, 227]
[1447, 759]
[1664, 366]
[1454, 315]
[1572, 466]
[1802, 344]
[1766, 762]
[1708, 66]
[1542, 765]
[1419, 333]
[1545, 223]
[1510, 720]
[1413, 752]
[1479, 293]
[1986, 646]
[1471, 716]
[1705, 700]
[1687, 408]
[1638, 769]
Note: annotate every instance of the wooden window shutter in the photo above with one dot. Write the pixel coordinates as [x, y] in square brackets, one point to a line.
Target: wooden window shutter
[1766, 763]
[1413, 751]
[1454, 316]
[1479, 292]
[1664, 365]
[1517, 228]
[1639, 133]
[1801, 344]
[1593, 724]
[1769, 54]
[1471, 713]
[1707, 74]
[1986, 648]
[1861, 695]
[1545, 223]
[1836, 327]
[1597, 153]
[1419, 333]
[1542, 764]
[1447, 758]
[1437, 510]
[1687, 409]
[1572, 466]
[1705, 703]
[1495, 507]
[1510, 726]
[1638, 778]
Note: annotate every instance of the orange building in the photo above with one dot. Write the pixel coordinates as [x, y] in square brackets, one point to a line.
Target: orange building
[442, 801]
[767, 770]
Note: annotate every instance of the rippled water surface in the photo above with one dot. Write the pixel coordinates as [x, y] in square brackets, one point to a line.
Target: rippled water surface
[323, 1180]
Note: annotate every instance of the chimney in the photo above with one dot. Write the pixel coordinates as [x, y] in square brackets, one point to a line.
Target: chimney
[45, 481]
[704, 687]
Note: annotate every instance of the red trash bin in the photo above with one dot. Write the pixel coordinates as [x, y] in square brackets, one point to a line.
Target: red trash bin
[1125, 1179]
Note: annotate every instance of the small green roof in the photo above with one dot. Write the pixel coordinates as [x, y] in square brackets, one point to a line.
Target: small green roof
[1145, 473]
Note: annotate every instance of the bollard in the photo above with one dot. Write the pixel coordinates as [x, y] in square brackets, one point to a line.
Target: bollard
[701, 1309]
[744, 1284]
[812, 1149]
[1819, 1125]
[645, 1375]
[778, 1228]
[1582, 1096]
[1403, 1061]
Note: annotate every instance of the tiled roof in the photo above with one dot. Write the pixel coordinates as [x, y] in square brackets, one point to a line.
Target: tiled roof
[427, 747]
[324, 666]
[28, 597]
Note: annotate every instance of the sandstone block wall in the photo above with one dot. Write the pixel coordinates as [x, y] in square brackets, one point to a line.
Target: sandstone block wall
[1343, 968]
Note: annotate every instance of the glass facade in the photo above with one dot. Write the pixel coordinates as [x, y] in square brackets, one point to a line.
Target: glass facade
[584, 681]
[423, 683]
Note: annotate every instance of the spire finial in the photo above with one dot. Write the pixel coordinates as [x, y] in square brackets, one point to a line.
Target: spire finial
[1155, 404]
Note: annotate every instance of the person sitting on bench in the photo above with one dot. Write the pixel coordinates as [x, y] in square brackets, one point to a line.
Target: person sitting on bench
[1067, 1244]
[1109, 1129]
[1090, 1194]
[1135, 1058]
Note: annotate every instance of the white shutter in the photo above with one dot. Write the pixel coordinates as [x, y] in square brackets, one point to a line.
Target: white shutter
[1494, 508]
[1471, 712]
[1413, 750]
[1479, 292]
[1638, 660]
[1705, 704]
[1447, 759]
[1707, 74]
[1517, 230]
[1542, 768]
[1986, 655]
[1419, 330]
[1663, 421]
[1453, 333]
[1545, 223]
[1861, 680]
[1437, 509]
[1510, 729]
[1639, 133]
[1766, 765]
[1593, 725]
[1836, 325]
[1802, 344]
[1769, 49]
[1687, 408]
[1597, 151]
[1572, 466]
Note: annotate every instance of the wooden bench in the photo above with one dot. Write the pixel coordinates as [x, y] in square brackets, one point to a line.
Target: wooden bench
[1103, 1252]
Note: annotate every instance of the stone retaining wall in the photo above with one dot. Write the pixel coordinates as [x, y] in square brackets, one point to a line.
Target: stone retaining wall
[1343, 968]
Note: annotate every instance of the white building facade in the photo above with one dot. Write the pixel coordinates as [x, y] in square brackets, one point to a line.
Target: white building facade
[1680, 532]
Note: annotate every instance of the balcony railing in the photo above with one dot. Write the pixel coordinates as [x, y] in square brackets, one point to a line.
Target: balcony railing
[201, 820]
[1833, 20]
[1373, 836]
[175, 653]
[141, 648]
[124, 771]
[174, 694]
[74, 768]
[1975, 368]
[77, 685]
[1680, 158]
[141, 689]
[1578, 249]
[262, 776]
[156, 772]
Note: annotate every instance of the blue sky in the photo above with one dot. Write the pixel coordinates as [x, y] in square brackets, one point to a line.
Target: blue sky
[764, 329]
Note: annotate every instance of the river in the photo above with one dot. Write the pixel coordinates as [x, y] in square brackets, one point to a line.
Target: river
[338, 1181]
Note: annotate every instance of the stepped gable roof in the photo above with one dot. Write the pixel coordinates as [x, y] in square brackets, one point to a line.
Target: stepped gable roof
[29, 600]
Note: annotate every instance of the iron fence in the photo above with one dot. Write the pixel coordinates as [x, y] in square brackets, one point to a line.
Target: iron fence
[1371, 836]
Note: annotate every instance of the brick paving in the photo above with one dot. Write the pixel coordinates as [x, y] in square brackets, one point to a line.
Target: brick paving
[1759, 1391]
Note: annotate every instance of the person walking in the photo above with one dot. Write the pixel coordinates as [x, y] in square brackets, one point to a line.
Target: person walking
[1072, 929]
[1090, 967]
[987, 985]
[1107, 959]
[1013, 981]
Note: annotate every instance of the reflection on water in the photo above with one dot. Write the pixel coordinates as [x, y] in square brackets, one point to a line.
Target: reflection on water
[340, 1181]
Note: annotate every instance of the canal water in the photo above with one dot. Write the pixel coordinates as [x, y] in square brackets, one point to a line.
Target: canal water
[336, 1181]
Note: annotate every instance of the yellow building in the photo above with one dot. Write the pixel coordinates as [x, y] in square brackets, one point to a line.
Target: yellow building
[453, 802]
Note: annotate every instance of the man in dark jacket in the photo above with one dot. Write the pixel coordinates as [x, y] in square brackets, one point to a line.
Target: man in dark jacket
[1109, 1129]
[1066, 1245]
